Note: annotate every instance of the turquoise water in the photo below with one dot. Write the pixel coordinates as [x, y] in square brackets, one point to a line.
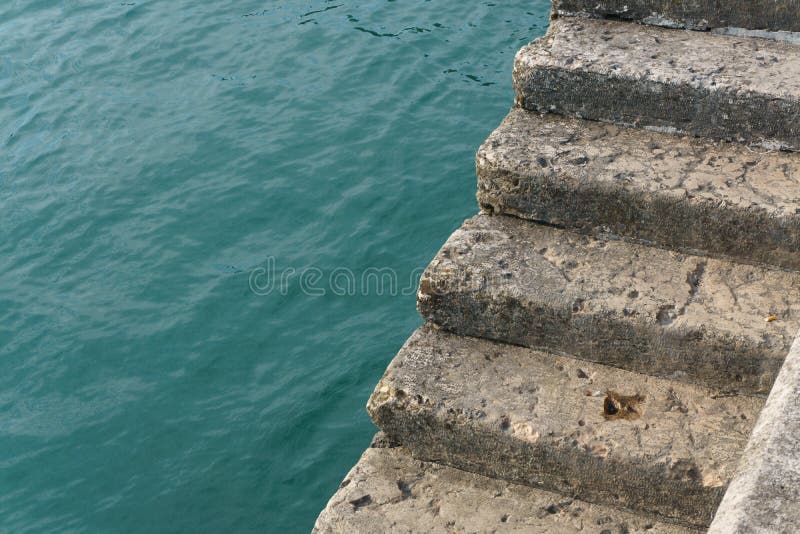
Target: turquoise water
[155, 156]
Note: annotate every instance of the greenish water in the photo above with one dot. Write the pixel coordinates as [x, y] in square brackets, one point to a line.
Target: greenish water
[155, 155]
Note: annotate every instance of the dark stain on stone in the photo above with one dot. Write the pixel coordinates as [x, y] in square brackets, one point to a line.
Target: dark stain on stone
[616, 406]
[664, 315]
[404, 488]
[366, 500]
[694, 277]
[557, 507]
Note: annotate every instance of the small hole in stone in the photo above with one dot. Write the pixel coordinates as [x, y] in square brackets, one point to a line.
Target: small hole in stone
[505, 423]
[616, 406]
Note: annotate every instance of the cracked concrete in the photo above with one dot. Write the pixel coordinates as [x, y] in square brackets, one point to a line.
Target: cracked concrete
[409, 496]
[678, 192]
[723, 87]
[641, 308]
[543, 420]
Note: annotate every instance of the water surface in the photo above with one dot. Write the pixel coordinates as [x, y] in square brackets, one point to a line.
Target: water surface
[154, 153]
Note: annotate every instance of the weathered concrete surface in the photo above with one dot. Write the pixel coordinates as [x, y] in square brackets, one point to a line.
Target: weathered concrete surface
[680, 192]
[388, 491]
[771, 15]
[765, 494]
[538, 419]
[725, 87]
[641, 308]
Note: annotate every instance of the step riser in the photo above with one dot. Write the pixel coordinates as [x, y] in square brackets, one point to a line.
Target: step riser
[525, 416]
[721, 115]
[698, 14]
[639, 308]
[717, 363]
[441, 440]
[650, 96]
[681, 193]
[389, 491]
[672, 223]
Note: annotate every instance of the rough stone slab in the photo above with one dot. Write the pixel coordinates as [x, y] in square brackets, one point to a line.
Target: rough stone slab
[388, 491]
[641, 308]
[765, 494]
[773, 15]
[538, 419]
[680, 192]
[726, 87]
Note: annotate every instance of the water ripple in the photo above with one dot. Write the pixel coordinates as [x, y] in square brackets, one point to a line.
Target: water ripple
[152, 153]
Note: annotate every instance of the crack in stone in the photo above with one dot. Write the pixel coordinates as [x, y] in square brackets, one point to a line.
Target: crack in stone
[694, 278]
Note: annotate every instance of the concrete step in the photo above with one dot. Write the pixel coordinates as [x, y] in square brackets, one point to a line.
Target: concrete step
[594, 432]
[680, 192]
[697, 14]
[388, 491]
[734, 88]
[654, 311]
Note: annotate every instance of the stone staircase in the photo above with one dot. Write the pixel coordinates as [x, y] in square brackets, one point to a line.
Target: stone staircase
[600, 340]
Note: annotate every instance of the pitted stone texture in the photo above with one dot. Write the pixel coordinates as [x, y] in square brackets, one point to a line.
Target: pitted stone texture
[734, 88]
[640, 308]
[773, 15]
[390, 492]
[680, 192]
[765, 494]
[538, 419]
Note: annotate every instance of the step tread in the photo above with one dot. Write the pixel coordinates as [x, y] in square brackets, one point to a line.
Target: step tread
[729, 87]
[681, 192]
[393, 492]
[699, 14]
[535, 418]
[642, 308]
